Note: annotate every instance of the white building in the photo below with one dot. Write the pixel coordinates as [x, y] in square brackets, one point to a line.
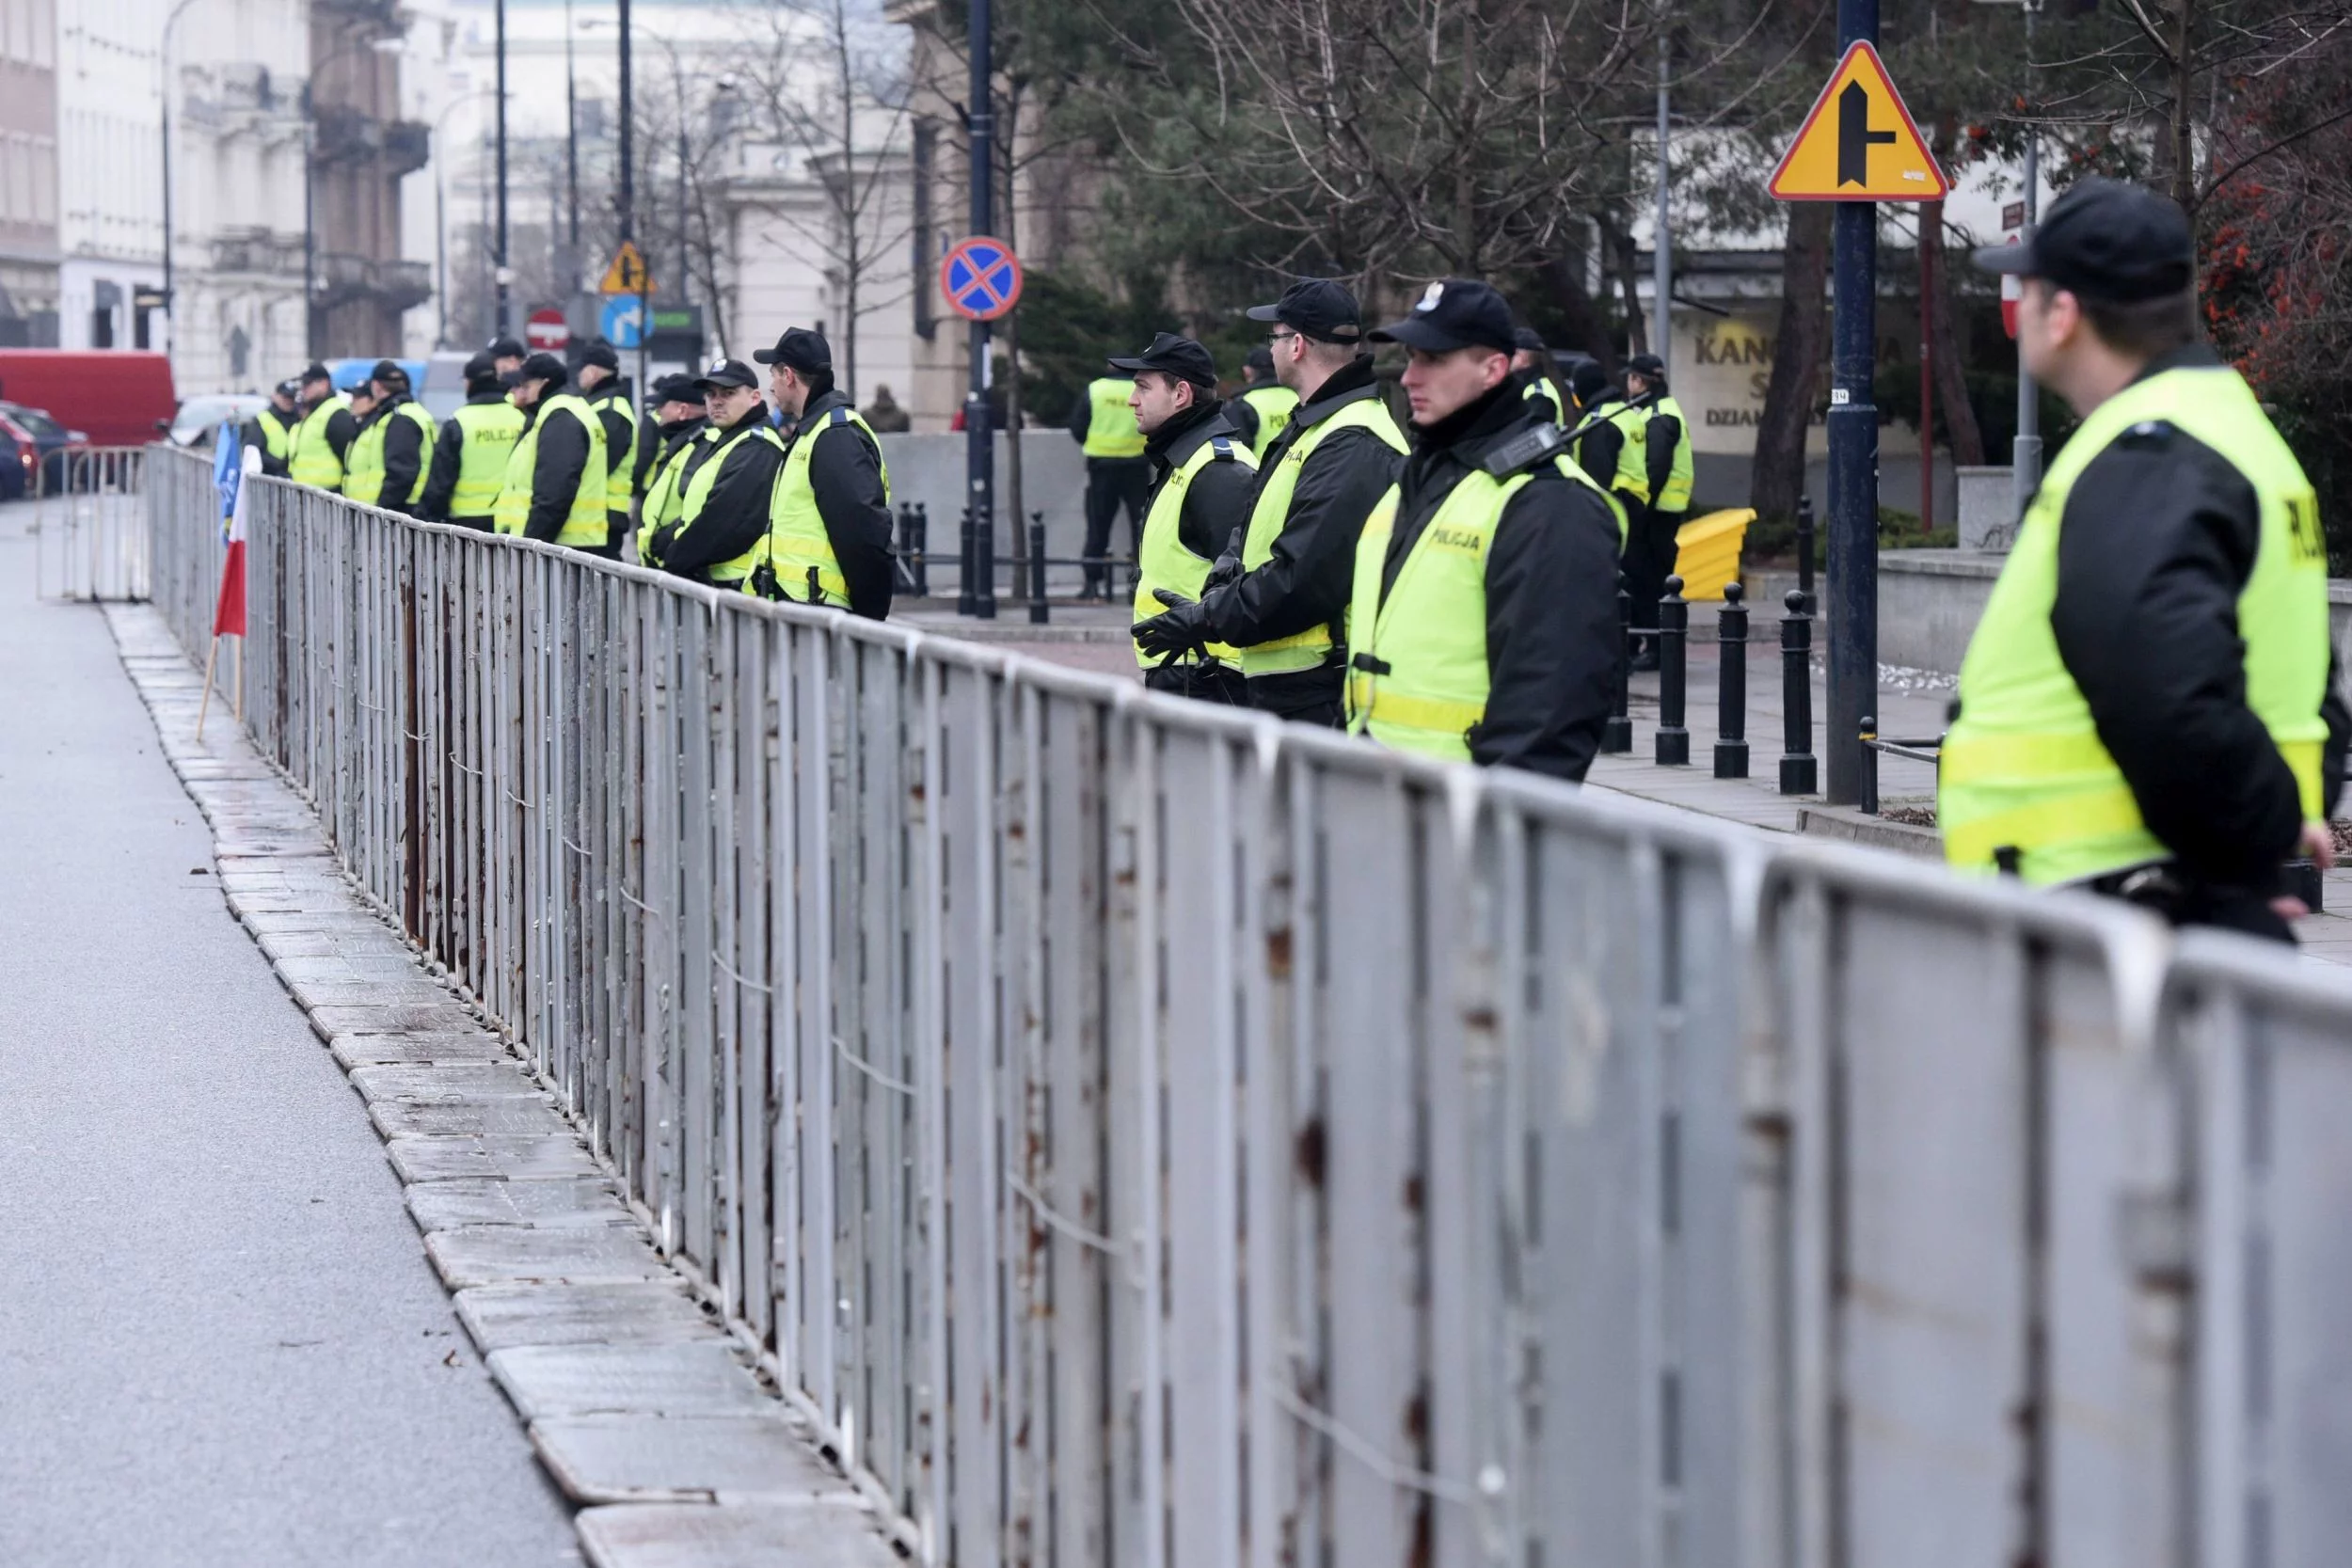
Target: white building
[110, 218]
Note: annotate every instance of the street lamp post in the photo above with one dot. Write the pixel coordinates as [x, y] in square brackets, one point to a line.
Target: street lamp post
[505, 276]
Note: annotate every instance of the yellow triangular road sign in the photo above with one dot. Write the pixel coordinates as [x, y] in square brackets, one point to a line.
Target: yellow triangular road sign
[627, 275]
[1859, 143]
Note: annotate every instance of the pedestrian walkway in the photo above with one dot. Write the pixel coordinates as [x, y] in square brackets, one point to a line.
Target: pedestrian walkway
[220, 1341]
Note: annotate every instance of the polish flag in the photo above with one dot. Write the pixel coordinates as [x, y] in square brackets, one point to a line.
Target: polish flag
[229, 616]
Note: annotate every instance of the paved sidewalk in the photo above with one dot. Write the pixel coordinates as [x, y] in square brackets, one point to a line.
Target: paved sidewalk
[220, 1341]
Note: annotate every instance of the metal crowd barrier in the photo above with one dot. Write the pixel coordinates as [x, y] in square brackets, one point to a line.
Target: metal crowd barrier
[1142, 1134]
[91, 525]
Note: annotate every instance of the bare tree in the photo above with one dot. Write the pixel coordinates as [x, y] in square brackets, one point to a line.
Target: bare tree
[847, 127]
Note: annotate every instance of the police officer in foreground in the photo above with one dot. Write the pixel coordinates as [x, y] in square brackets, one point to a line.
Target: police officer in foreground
[829, 518]
[386, 463]
[1320, 479]
[469, 455]
[1532, 363]
[1102, 421]
[720, 493]
[678, 421]
[325, 432]
[272, 429]
[1262, 410]
[605, 390]
[555, 487]
[2148, 707]
[1200, 501]
[1483, 622]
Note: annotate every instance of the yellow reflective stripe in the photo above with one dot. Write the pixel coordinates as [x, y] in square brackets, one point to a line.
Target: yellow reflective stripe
[1369, 701]
[2074, 817]
[2303, 760]
[1968, 759]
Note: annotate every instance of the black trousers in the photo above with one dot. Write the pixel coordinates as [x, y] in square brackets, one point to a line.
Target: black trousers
[1111, 483]
[485, 524]
[1207, 683]
[1649, 560]
[2243, 910]
[1304, 696]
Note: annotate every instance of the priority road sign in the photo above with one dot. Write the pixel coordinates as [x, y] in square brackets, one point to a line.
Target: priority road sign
[546, 330]
[981, 278]
[627, 274]
[1859, 143]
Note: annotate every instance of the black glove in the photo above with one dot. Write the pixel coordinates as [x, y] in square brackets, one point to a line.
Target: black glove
[1227, 568]
[1171, 635]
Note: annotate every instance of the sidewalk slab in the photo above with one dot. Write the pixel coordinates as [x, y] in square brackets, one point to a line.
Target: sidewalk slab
[553, 1254]
[482, 1200]
[687, 1535]
[696, 1379]
[501, 1317]
[696, 1459]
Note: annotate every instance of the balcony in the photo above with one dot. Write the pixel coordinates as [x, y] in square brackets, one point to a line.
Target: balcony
[257, 251]
[342, 135]
[407, 145]
[402, 285]
[342, 278]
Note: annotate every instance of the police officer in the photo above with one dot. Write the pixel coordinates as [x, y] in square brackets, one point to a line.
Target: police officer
[469, 455]
[272, 429]
[723, 484]
[554, 485]
[1262, 407]
[1320, 479]
[324, 434]
[603, 388]
[1664, 454]
[386, 463]
[678, 423]
[1607, 444]
[1532, 363]
[829, 518]
[1483, 622]
[506, 354]
[2148, 707]
[1200, 501]
[1102, 421]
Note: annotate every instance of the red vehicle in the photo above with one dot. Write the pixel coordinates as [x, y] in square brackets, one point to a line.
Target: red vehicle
[120, 398]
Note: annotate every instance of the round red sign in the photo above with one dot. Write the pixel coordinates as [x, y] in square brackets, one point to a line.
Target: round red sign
[546, 330]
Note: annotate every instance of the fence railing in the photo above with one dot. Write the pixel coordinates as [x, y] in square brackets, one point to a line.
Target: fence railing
[1146, 1133]
[90, 525]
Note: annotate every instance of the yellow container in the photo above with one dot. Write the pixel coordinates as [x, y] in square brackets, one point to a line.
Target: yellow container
[1707, 552]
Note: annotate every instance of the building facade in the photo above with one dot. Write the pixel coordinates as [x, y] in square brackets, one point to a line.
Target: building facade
[110, 215]
[28, 174]
[362, 147]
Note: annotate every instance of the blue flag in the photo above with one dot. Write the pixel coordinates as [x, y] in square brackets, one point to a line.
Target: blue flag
[228, 468]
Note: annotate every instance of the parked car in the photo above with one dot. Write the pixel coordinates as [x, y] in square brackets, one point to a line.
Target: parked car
[31, 445]
[121, 397]
[198, 418]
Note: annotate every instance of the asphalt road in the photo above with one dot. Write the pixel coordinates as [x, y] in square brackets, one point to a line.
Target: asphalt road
[220, 1342]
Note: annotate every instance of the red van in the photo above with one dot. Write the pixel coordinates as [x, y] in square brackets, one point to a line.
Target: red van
[120, 398]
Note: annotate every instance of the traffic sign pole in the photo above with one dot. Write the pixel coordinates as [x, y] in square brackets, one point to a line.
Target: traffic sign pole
[1854, 438]
[979, 564]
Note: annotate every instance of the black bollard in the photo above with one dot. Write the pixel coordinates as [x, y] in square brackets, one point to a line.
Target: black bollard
[1616, 736]
[1038, 613]
[1731, 703]
[1799, 773]
[1804, 549]
[984, 559]
[922, 549]
[1674, 632]
[967, 597]
[1870, 782]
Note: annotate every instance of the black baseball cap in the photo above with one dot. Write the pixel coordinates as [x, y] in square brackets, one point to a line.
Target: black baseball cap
[1648, 365]
[1317, 306]
[2107, 241]
[1587, 380]
[599, 351]
[316, 372]
[388, 372]
[481, 374]
[1455, 313]
[1527, 340]
[676, 388]
[1260, 359]
[728, 372]
[798, 349]
[1173, 356]
[504, 348]
[289, 387]
[539, 367]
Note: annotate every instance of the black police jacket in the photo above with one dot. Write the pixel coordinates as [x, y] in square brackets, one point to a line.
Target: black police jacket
[735, 514]
[1552, 589]
[1217, 499]
[1305, 581]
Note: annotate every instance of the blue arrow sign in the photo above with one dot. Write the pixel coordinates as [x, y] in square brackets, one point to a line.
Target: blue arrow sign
[623, 320]
[981, 278]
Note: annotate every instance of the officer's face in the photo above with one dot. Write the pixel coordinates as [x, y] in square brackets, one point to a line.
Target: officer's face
[1437, 385]
[1158, 398]
[1525, 360]
[507, 364]
[728, 404]
[2049, 322]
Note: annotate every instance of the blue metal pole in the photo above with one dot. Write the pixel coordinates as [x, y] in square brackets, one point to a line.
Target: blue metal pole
[1854, 470]
[979, 562]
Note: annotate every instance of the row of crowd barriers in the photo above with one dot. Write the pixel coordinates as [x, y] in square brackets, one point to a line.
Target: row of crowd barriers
[1142, 1134]
[89, 525]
